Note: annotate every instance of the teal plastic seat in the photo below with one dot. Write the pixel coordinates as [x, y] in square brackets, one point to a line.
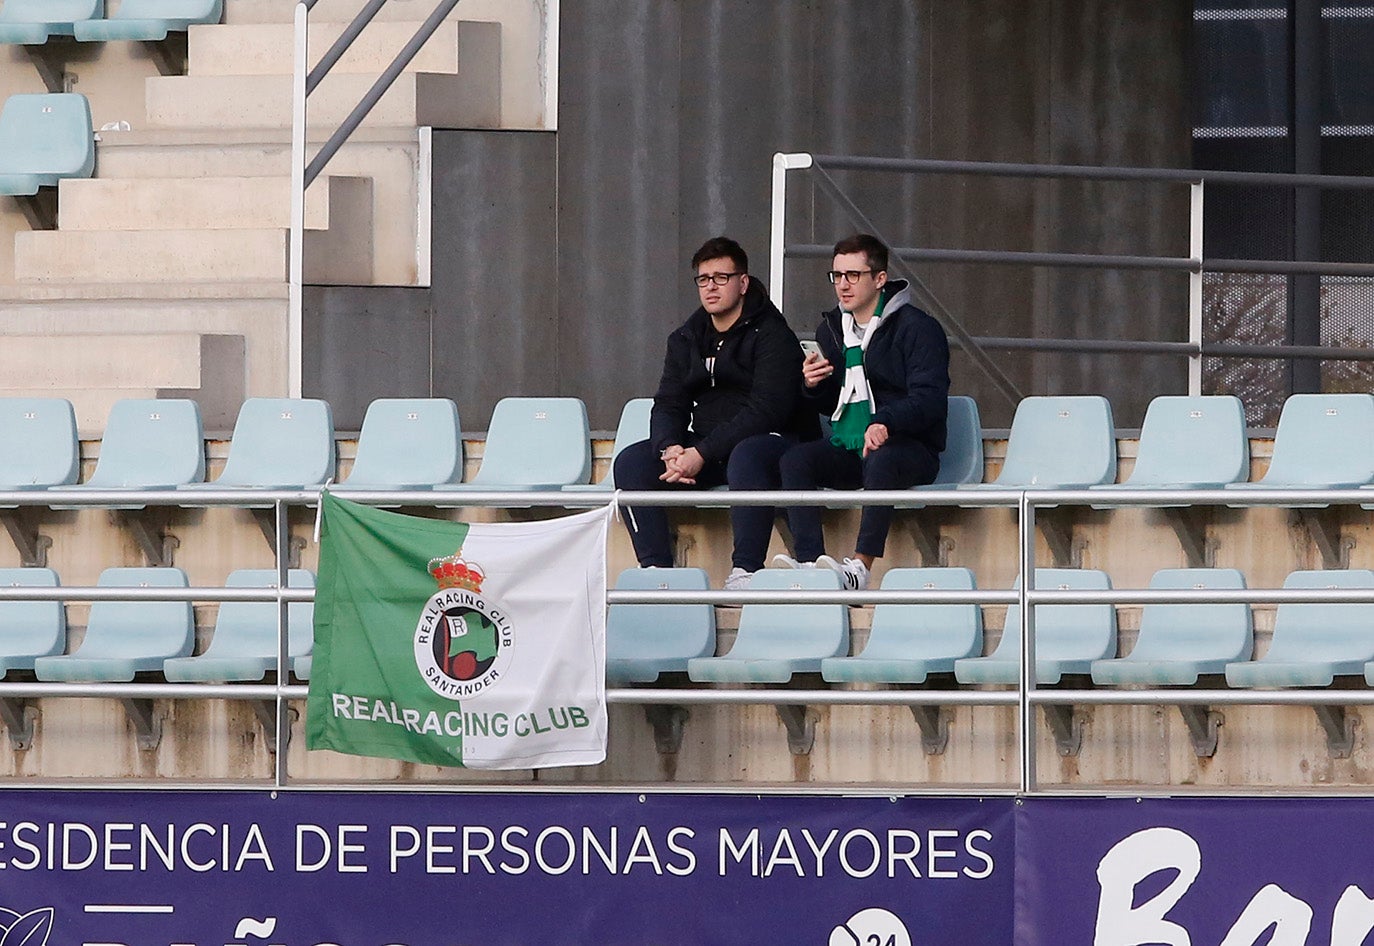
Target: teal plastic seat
[301, 666]
[278, 443]
[778, 640]
[1058, 443]
[909, 642]
[244, 644]
[30, 629]
[1189, 443]
[633, 427]
[148, 444]
[407, 443]
[149, 20]
[38, 443]
[127, 637]
[1323, 441]
[44, 138]
[1180, 642]
[645, 640]
[31, 22]
[1068, 637]
[534, 443]
[1314, 643]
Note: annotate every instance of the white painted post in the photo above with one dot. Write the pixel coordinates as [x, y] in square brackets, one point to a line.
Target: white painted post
[777, 246]
[1195, 290]
[295, 337]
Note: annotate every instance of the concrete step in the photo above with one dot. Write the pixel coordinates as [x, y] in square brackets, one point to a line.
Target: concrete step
[210, 203]
[471, 99]
[269, 48]
[187, 255]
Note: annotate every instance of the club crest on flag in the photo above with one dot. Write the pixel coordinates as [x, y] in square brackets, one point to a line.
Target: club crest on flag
[463, 642]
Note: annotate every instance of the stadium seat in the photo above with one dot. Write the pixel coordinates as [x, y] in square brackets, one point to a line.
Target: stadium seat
[148, 444]
[1179, 642]
[278, 443]
[1068, 637]
[633, 427]
[301, 666]
[407, 443]
[777, 640]
[149, 20]
[31, 22]
[1314, 643]
[645, 640]
[534, 443]
[961, 461]
[44, 138]
[1058, 443]
[1323, 441]
[40, 444]
[127, 637]
[1189, 443]
[244, 644]
[29, 629]
[908, 642]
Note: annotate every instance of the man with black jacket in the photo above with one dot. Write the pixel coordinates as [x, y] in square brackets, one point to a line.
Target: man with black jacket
[728, 406]
[882, 374]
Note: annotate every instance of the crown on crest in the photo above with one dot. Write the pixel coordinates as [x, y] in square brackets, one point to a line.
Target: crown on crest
[452, 572]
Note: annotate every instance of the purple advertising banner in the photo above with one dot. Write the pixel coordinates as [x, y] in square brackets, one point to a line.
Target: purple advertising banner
[1195, 872]
[393, 869]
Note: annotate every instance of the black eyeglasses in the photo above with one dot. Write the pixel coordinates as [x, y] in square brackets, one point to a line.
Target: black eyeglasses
[719, 279]
[848, 275]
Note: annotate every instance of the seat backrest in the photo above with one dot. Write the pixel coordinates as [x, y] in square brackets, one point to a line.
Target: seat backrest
[249, 628]
[1195, 631]
[139, 628]
[1060, 441]
[962, 459]
[40, 445]
[200, 11]
[633, 427]
[409, 442]
[31, 627]
[1324, 438]
[47, 134]
[151, 443]
[661, 630]
[537, 441]
[1065, 631]
[1188, 440]
[281, 441]
[792, 631]
[926, 630]
[51, 11]
[1316, 632]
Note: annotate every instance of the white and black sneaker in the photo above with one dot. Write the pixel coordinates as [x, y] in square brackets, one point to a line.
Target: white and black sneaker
[738, 580]
[787, 561]
[853, 573]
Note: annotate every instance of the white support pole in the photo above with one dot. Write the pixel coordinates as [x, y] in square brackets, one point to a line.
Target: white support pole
[1195, 290]
[777, 246]
[295, 277]
[1026, 710]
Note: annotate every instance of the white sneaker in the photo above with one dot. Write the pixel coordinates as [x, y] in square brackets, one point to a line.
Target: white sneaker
[738, 580]
[787, 561]
[853, 573]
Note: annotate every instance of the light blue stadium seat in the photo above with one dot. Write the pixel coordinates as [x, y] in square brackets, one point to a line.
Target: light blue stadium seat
[778, 640]
[1314, 643]
[1189, 443]
[29, 629]
[645, 640]
[244, 645]
[148, 444]
[1323, 441]
[38, 443]
[44, 138]
[407, 443]
[962, 459]
[301, 666]
[1179, 642]
[1068, 637]
[31, 22]
[909, 642]
[278, 443]
[149, 20]
[127, 637]
[1058, 443]
[534, 443]
[633, 427]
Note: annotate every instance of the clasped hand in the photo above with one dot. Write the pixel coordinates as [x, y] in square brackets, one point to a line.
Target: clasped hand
[682, 465]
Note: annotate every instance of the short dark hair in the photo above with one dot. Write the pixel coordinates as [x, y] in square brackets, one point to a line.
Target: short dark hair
[870, 246]
[722, 247]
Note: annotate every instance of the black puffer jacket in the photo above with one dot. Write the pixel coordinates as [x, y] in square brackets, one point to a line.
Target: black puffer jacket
[752, 387]
[907, 365]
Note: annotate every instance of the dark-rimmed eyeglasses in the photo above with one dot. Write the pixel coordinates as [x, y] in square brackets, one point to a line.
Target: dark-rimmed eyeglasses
[847, 275]
[719, 279]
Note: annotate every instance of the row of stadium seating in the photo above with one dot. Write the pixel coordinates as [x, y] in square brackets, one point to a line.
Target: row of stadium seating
[34, 22]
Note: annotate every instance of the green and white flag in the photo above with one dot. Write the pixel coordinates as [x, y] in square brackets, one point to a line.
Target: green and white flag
[481, 645]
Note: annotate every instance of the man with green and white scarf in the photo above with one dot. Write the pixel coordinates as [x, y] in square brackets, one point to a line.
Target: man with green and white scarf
[887, 405]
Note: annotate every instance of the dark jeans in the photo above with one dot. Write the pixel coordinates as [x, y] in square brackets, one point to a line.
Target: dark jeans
[753, 464]
[819, 464]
